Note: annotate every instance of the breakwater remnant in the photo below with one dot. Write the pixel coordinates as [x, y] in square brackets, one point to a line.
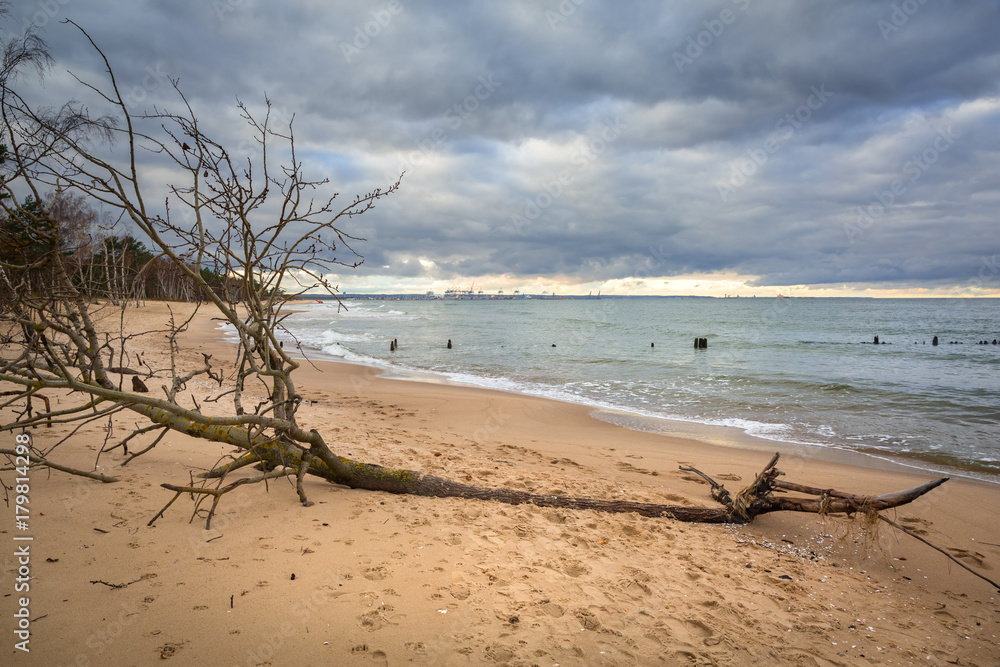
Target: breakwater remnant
[700, 343]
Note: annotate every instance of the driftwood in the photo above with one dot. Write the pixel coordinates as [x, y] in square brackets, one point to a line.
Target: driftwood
[759, 498]
[751, 502]
[36, 459]
[756, 499]
[122, 370]
[28, 396]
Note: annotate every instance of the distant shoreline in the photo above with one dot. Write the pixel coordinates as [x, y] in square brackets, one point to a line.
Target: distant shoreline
[410, 296]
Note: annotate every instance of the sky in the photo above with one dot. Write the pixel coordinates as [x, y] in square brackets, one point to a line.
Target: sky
[740, 147]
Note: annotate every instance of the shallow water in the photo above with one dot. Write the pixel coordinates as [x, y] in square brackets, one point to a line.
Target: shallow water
[799, 371]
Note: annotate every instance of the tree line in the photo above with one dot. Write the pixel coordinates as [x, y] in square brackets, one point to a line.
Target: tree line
[104, 265]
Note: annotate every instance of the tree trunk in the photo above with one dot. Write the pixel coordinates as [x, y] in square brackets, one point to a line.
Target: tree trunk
[751, 502]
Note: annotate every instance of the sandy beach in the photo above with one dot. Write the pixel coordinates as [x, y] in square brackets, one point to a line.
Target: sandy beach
[371, 578]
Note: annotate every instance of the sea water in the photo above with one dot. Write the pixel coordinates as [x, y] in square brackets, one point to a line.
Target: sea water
[793, 371]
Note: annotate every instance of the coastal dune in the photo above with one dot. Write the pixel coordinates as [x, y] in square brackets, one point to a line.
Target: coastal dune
[373, 578]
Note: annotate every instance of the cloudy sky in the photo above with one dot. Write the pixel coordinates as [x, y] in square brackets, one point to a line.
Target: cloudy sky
[737, 146]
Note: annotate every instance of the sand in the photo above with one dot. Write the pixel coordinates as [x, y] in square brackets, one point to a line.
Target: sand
[371, 578]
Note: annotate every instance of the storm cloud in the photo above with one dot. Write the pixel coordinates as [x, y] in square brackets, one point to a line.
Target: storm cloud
[598, 143]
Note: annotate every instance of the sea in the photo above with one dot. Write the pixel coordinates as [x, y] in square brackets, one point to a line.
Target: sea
[786, 374]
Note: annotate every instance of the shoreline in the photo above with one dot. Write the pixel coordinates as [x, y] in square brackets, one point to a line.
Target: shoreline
[398, 580]
[722, 435]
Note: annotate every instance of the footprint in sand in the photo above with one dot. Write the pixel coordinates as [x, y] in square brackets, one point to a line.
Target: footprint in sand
[575, 569]
[631, 531]
[499, 653]
[914, 524]
[374, 620]
[635, 587]
[552, 609]
[628, 467]
[416, 647]
[588, 621]
[691, 630]
[459, 591]
[976, 558]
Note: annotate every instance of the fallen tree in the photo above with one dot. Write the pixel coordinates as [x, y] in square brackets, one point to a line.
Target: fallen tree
[252, 220]
[754, 500]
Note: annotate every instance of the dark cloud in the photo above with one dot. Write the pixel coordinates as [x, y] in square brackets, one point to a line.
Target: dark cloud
[797, 142]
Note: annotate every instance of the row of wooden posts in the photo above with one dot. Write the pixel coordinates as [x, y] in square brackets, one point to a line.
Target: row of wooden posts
[935, 341]
[699, 344]
[702, 343]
